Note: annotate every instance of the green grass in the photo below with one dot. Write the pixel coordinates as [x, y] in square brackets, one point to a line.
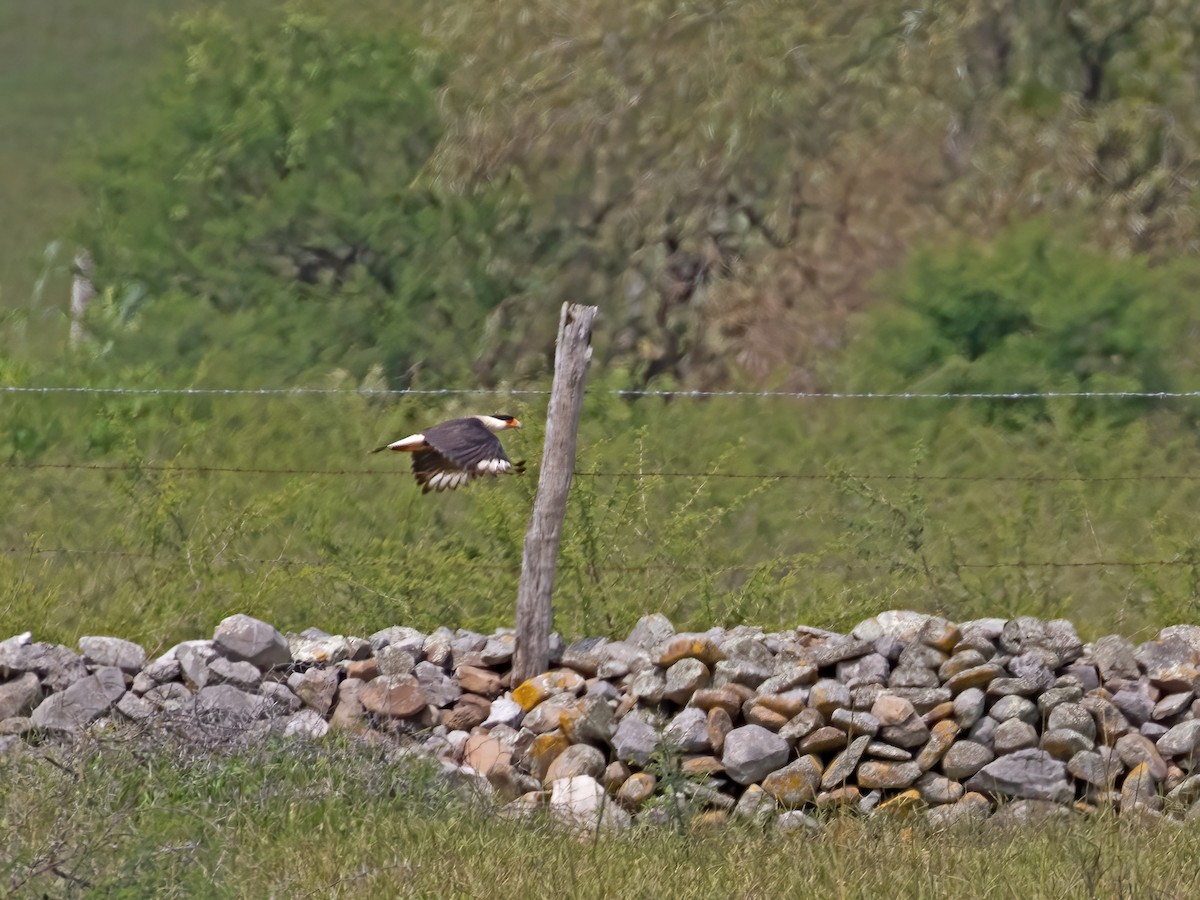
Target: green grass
[336, 820]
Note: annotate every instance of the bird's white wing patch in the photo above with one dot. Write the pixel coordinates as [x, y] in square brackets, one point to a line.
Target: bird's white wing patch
[412, 442]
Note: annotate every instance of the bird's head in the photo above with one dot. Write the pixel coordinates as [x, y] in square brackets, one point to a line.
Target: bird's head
[500, 421]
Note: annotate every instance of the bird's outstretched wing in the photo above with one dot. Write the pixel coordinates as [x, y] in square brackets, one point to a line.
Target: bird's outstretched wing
[465, 443]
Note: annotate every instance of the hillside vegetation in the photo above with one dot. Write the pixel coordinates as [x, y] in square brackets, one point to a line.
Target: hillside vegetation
[824, 197]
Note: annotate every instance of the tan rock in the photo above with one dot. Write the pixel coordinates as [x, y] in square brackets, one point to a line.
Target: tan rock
[694, 646]
[796, 783]
[719, 725]
[757, 714]
[636, 790]
[887, 775]
[398, 696]
[483, 752]
[578, 759]
[1140, 790]
[366, 669]
[475, 680]
[726, 698]
[696, 766]
[941, 737]
[470, 711]
[543, 751]
[540, 687]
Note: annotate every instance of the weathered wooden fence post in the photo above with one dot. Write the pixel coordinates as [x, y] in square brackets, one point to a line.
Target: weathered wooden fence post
[534, 612]
[82, 294]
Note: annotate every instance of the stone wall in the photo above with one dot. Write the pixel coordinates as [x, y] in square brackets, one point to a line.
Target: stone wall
[908, 713]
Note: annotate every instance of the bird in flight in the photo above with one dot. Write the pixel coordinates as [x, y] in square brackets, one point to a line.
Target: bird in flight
[450, 454]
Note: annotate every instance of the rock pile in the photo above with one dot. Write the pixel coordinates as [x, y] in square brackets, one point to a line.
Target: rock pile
[908, 712]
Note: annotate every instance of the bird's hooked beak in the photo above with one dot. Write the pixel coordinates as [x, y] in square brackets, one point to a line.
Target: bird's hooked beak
[515, 423]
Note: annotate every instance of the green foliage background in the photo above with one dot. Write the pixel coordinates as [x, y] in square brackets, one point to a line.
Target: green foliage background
[961, 199]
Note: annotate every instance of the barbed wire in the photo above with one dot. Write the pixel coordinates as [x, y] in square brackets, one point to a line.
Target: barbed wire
[641, 474]
[832, 566]
[633, 393]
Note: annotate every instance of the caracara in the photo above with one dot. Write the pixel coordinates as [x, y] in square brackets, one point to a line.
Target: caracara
[452, 453]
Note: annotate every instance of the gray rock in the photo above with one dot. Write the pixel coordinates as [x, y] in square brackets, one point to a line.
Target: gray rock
[439, 688]
[168, 697]
[836, 649]
[1004, 687]
[901, 624]
[650, 631]
[576, 760]
[1084, 674]
[396, 659]
[1172, 664]
[315, 687]
[135, 708]
[1014, 707]
[1026, 633]
[498, 650]
[224, 704]
[1065, 744]
[648, 686]
[505, 711]
[1032, 666]
[844, 764]
[620, 658]
[913, 677]
[239, 674]
[82, 703]
[1134, 749]
[438, 647]
[880, 750]
[855, 723]
[1013, 735]
[793, 822]
[1172, 705]
[965, 758]
[983, 731]
[739, 671]
[1134, 702]
[1097, 768]
[244, 638]
[1050, 700]
[887, 775]
[279, 699]
[937, 789]
[409, 639]
[326, 649]
[689, 731]
[968, 707]
[582, 803]
[1113, 656]
[635, 740]
[110, 651]
[20, 696]
[1074, 717]
[922, 699]
[194, 658]
[584, 656]
[827, 695]
[870, 669]
[752, 752]
[165, 668]
[307, 723]
[921, 656]
[1026, 774]
[1183, 740]
[900, 725]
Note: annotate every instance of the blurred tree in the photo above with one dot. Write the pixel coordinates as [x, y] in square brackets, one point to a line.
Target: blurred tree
[725, 179]
[1027, 312]
[271, 220]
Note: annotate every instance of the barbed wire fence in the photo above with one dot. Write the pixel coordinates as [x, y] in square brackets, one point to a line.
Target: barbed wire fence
[1100, 561]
